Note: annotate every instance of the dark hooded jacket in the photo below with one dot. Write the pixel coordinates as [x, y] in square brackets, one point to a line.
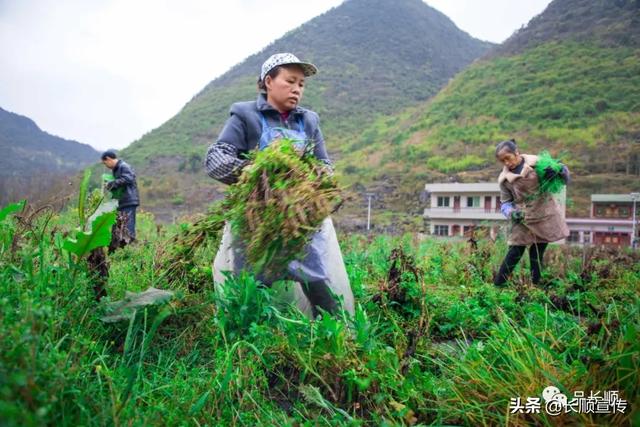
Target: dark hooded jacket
[125, 184]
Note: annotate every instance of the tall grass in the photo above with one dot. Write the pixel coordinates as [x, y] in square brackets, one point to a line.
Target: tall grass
[453, 350]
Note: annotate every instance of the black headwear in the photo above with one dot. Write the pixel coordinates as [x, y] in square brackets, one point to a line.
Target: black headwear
[109, 153]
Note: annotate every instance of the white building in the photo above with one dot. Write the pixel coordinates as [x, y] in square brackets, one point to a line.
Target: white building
[456, 208]
[611, 221]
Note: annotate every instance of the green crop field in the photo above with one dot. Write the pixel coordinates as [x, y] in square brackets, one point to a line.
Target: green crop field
[431, 342]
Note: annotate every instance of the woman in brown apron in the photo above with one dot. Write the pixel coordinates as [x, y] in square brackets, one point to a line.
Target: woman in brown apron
[536, 218]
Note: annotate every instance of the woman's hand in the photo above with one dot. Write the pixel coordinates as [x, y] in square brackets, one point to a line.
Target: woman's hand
[506, 208]
[551, 174]
[511, 212]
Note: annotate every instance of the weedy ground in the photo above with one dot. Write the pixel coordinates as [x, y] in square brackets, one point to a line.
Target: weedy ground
[431, 342]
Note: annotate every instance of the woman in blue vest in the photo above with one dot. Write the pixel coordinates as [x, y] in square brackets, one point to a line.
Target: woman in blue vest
[255, 125]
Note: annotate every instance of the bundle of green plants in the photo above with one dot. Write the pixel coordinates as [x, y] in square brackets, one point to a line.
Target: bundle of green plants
[280, 200]
[178, 260]
[107, 178]
[555, 184]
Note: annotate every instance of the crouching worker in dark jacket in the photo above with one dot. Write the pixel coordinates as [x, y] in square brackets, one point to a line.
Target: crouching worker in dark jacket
[124, 188]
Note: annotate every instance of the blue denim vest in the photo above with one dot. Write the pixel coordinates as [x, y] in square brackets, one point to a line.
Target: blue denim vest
[270, 134]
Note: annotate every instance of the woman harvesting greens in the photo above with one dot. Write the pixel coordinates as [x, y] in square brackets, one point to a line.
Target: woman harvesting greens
[255, 125]
[536, 217]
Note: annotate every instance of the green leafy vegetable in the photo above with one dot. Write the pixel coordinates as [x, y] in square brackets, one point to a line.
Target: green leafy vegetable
[280, 200]
[554, 185]
[98, 236]
[82, 196]
[11, 208]
[116, 193]
[178, 259]
[107, 177]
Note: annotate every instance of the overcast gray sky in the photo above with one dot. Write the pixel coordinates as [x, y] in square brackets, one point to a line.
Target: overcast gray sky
[105, 72]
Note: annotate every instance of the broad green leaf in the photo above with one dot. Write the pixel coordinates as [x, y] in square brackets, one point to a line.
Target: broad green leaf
[105, 206]
[99, 236]
[11, 208]
[107, 177]
[82, 196]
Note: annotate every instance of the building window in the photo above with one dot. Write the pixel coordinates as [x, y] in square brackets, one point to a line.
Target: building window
[623, 212]
[574, 236]
[612, 239]
[441, 230]
[586, 236]
[599, 210]
[443, 202]
[473, 202]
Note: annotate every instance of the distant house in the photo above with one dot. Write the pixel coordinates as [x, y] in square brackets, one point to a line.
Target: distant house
[457, 208]
[610, 223]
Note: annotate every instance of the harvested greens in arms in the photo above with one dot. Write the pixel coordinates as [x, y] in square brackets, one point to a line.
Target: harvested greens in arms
[554, 185]
[279, 201]
[179, 260]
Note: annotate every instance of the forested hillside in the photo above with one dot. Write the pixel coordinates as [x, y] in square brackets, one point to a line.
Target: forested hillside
[31, 158]
[375, 59]
[554, 85]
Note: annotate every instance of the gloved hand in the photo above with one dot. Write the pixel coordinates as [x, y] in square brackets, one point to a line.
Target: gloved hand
[550, 174]
[517, 216]
[110, 185]
[565, 175]
[506, 209]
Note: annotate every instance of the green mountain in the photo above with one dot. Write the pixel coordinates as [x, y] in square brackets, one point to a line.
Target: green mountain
[569, 82]
[32, 158]
[375, 57]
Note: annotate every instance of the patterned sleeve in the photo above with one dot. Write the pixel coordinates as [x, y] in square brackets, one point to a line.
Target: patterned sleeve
[222, 162]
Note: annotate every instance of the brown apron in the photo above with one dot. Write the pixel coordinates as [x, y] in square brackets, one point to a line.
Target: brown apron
[543, 218]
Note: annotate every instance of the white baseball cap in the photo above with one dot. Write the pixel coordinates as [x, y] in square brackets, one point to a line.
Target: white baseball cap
[285, 59]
